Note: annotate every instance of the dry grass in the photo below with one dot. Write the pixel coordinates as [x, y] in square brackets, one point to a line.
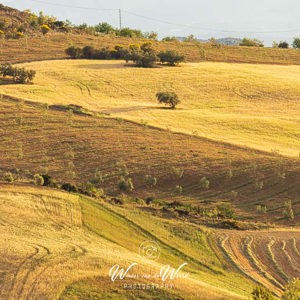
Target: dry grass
[84, 145]
[47, 248]
[52, 46]
[256, 106]
[263, 259]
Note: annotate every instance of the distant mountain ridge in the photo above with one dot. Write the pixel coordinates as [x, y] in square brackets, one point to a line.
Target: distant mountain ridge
[229, 41]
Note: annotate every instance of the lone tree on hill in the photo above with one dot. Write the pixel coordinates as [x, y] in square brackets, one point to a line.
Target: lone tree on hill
[283, 45]
[168, 98]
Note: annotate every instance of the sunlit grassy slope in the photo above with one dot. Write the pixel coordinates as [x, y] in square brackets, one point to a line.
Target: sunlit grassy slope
[252, 105]
[34, 139]
[61, 246]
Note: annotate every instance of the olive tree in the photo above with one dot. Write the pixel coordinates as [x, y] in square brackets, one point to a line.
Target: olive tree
[168, 98]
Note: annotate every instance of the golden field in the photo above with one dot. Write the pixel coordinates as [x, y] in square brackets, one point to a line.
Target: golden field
[53, 245]
[249, 105]
[237, 127]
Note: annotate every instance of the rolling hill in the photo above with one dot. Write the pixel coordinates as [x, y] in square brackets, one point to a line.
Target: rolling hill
[256, 106]
[54, 249]
[213, 184]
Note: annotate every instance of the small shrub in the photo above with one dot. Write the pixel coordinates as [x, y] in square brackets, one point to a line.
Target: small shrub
[49, 181]
[296, 43]
[74, 52]
[88, 52]
[177, 172]
[292, 290]
[8, 177]
[283, 45]
[38, 179]
[288, 210]
[168, 98]
[171, 57]
[234, 194]
[69, 187]
[251, 43]
[261, 293]
[89, 189]
[179, 189]
[149, 200]
[169, 39]
[125, 184]
[19, 75]
[258, 185]
[19, 35]
[229, 174]
[204, 183]
[225, 210]
[150, 180]
[45, 29]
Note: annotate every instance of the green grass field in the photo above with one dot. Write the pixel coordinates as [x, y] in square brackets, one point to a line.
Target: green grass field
[248, 105]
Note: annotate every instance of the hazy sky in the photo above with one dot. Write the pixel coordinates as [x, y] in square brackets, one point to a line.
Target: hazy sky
[265, 19]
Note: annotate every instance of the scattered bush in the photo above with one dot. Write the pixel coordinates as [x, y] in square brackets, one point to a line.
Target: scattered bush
[292, 290]
[74, 52]
[38, 179]
[169, 39]
[88, 52]
[150, 180]
[171, 57]
[288, 210]
[149, 200]
[296, 43]
[69, 187]
[168, 98]
[225, 210]
[251, 43]
[258, 185]
[90, 190]
[125, 184]
[49, 181]
[261, 293]
[143, 56]
[19, 75]
[177, 172]
[204, 183]
[8, 177]
[283, 45]
[179, 189]
[45, 29]
[104, 28]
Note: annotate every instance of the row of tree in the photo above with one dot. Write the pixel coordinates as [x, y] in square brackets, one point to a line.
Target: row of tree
[18, 75]
[142, 55]
[283, 44]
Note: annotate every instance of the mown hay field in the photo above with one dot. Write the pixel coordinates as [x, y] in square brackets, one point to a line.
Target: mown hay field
[250, 105]
[53, 249]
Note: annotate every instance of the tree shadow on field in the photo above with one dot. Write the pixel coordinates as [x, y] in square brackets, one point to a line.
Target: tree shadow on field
[6, 81]
[105, 66]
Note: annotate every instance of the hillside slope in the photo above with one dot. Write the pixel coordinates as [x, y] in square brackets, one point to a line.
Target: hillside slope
[256, 106]
[86, 146]
[50, 243]
[33, 46]
[54, 44]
